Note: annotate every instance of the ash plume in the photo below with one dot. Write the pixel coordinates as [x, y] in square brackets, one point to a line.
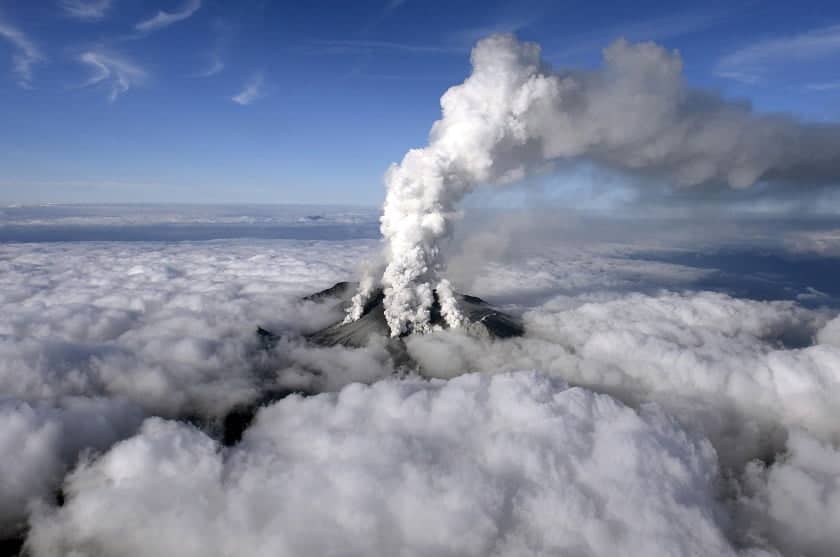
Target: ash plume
[514, 115]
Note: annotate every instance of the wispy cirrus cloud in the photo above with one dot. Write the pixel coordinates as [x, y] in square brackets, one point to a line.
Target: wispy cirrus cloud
[215, 67]
[165, 19]
[750, 63]
[351, 45]
[115, 72]
[747, 78]
[26, 53]
[215, 59]
[390, 7]
[825, 86]
[86, 10]
[252, 91]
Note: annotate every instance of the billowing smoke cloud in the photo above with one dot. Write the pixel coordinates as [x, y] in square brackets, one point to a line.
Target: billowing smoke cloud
[515, 115]
[513, 464]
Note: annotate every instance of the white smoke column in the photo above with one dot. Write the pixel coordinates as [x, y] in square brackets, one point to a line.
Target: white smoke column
[424, 189]
[367, 286]
[514, 115]
[449, 304]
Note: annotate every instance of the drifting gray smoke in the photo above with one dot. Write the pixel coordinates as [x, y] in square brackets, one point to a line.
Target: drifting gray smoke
[515, 115]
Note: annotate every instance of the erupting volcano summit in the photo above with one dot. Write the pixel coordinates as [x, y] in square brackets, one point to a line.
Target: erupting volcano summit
[479, 318]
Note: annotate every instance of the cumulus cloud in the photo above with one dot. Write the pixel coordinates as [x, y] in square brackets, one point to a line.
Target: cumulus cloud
[127, 329]
[40, 440]
[116, 73]
[26, 53]
[795, 502]
[514, 115]
[508, 465]
[251, 92]
[164, 19]
[830, 334]
[739, 371]
[169, 327]
[86, 10]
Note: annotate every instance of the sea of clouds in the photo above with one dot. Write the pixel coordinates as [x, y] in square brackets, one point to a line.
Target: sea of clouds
[642, 413]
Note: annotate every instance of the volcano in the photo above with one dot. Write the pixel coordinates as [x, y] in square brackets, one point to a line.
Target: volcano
[481, 318]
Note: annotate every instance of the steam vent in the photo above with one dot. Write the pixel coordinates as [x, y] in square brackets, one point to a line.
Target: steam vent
[482, 319]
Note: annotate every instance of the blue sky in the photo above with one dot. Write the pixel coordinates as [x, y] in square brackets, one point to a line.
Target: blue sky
[308, 102]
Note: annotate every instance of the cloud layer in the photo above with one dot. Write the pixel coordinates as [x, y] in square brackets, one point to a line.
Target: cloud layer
[506, 465]
[41, 440]
[171, 328]
[795, 503]
[100, 335]
[162, 330]
[719, 364]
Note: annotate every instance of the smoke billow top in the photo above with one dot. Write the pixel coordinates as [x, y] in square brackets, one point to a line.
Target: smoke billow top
[515, 115]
